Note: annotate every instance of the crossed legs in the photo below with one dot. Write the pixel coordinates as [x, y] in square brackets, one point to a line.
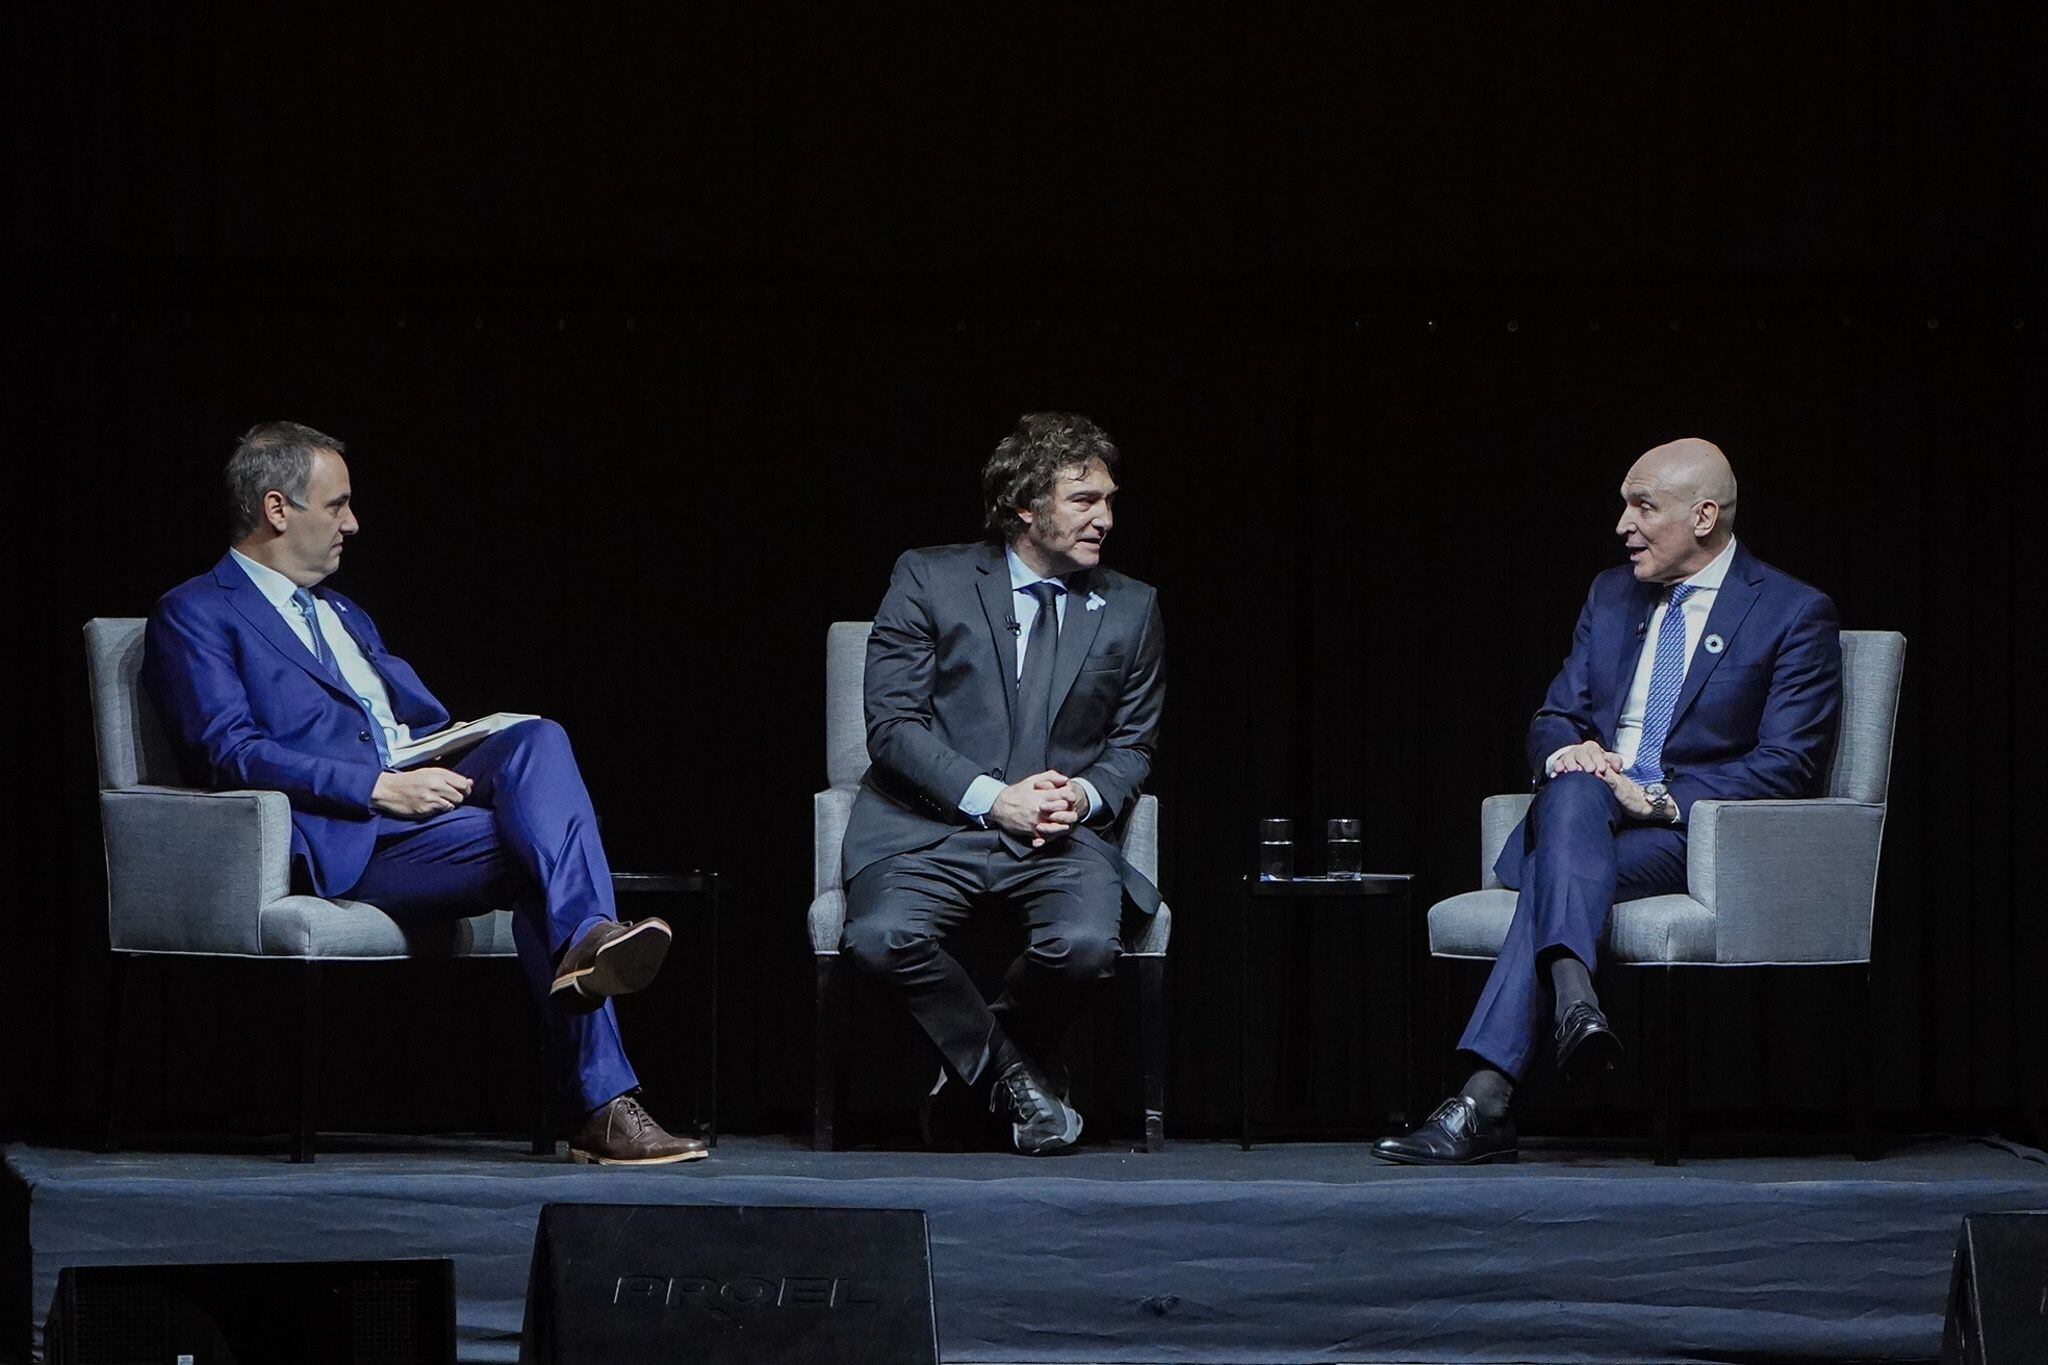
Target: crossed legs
[1582, 853]
[526, 840]
[899, 910]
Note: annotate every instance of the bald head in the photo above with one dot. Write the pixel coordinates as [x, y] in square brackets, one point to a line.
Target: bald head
[1678, 509]
[1693, 469]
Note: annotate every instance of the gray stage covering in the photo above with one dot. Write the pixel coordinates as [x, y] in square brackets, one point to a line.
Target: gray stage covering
[1285, 1254]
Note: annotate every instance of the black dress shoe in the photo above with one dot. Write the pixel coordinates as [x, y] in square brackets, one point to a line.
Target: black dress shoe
[1041, 1123]
[1455, 1135]
[1585, 1044]
[953, 1117]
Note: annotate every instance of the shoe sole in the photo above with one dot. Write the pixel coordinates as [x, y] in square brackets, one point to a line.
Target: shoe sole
[592, 1159]
[1490, 1159]
[1051, 1146]
[626, 964]
[1595, 1053]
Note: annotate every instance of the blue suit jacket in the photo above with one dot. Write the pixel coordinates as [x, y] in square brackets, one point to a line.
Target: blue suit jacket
[250, 707]
[1755, 718]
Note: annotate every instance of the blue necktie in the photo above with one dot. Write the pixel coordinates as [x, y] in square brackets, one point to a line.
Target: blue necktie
[303, 600]
[1667, 679]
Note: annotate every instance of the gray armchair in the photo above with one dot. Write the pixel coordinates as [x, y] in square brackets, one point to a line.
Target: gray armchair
[846, 758]
[1772, 883]
[208, 874]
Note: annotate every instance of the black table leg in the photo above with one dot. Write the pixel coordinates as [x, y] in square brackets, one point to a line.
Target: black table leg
[1244, 1020]
[711, 995]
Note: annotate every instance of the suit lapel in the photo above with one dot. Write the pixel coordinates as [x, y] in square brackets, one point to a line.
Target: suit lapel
[1628, 655]
[348, 623]
[994, 585]
[1077, 636]
[1739, 591]
[258, 612]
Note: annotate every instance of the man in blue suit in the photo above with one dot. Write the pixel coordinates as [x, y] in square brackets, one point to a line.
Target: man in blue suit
[268, 680]
[1696, 672]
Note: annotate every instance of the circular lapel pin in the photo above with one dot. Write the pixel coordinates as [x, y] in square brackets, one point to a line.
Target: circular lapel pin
[1715, 644]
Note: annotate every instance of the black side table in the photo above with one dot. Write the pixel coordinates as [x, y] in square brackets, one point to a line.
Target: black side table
[675, 891]
[1371, 890]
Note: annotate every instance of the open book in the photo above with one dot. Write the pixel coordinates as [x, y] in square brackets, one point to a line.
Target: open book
[445, 743]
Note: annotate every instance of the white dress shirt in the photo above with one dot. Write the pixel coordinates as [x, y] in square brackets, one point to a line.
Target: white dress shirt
[1693, 613]
[982, 791]
[369, 687]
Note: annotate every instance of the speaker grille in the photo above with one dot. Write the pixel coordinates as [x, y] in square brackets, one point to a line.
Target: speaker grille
[385, 1317]
[118, 1324]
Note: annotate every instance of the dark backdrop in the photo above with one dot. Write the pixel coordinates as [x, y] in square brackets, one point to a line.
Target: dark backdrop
[654, 341]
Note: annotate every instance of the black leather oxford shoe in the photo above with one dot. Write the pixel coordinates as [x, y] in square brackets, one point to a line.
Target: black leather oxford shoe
[1585, 1043]
[1455, 1135]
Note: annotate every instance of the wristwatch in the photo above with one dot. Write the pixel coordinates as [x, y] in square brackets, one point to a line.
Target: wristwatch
[1662, 804]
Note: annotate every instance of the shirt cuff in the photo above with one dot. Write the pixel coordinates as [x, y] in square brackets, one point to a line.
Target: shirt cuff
[980, 799]
[1094, 797]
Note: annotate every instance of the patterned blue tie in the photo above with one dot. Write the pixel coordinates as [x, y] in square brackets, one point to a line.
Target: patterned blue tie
[303, 600]
[1667, 678]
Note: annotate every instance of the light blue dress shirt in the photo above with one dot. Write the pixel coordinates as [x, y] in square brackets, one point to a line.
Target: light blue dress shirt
[277, 590]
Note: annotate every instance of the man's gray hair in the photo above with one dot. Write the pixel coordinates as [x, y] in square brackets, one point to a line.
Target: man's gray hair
[271, 456]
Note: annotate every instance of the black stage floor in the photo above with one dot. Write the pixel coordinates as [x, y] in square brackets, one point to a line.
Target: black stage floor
[1307, 1252]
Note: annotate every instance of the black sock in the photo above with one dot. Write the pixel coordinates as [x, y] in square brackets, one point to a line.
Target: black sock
[1571, 983]
[1490, 1089]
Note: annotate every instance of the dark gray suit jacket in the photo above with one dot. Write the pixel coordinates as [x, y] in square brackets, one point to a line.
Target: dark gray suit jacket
[941, 679]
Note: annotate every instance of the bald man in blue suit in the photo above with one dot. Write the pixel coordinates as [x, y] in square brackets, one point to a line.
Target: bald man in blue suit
[1696, 671]
[268, 680]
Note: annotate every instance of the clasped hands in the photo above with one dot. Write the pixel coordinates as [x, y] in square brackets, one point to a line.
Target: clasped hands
[1606, 765]
[1042, 807]
[418, 793]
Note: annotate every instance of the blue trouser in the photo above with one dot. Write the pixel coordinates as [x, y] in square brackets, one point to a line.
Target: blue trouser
[1581, 852]
[526, 841]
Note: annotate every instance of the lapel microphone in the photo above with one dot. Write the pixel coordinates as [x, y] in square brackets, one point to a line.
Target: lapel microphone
[1642, 629]
[1015, 629]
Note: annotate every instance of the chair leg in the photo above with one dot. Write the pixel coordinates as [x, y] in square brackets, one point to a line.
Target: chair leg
[120, 986]
[826, 1068]
[1152, 1048]
[1449, 973]
[544, 1081]
[1671, 1064]
[309, 1061]
[1862, 1080]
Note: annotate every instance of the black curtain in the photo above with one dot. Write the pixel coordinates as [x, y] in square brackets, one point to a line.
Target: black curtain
[654, 344]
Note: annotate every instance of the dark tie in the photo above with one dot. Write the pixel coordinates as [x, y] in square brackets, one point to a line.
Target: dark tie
[1032, 722]
[303, 600]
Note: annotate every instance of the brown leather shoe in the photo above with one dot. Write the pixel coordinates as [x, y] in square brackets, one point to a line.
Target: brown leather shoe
[609, 959]
[622, 1133]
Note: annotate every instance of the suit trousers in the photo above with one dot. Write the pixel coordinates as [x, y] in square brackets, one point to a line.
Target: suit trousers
[1583, 853]
[899, 910]
[526, 841]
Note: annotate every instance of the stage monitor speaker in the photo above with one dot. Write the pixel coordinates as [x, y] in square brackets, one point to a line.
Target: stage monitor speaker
[632, 1284]
[1998, 1293]
[306, 1312]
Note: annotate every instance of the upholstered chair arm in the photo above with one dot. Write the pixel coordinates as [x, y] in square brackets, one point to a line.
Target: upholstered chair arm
[830, 810]
[1498, 816]
[1788, 881]
[1141, 838]
[190, 871]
